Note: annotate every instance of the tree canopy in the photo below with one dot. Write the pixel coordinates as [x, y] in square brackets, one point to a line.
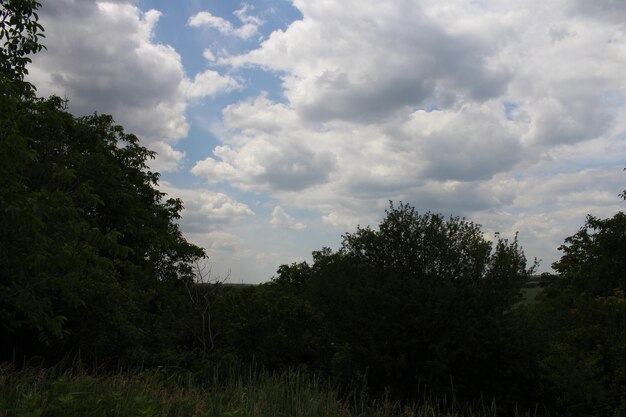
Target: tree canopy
[87, 241]
[20, 34]
[581, 318]
[417, 301]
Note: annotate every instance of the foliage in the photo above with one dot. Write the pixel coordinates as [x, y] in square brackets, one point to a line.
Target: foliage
[583, 362]
[87, 242]
[594, 259]
[264, 324]
[90, 254]
[20, 33]
[419, 304]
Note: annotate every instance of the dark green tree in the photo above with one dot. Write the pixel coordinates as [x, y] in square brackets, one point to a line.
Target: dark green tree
[20, 34]
[594, 259]
[421, 303]
[88, 244]
[91, 258]
[269, 325]
[583, 364]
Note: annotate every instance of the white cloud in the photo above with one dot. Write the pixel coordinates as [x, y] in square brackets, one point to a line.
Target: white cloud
[206, 18]
[168, 159]
[546, 210]
[613, 11]
[268, 152]
[209, 83]
[248, 28]
[221, 225]
[206, 210]
[361, 61]
[208, 55]
[280, 219]
[108, 62]
[468, 143]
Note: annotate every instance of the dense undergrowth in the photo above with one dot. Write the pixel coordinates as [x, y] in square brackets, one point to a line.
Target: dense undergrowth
[37, 392]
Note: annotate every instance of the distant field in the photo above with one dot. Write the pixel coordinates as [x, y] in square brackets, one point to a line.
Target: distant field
[533, 288]
[529, 294]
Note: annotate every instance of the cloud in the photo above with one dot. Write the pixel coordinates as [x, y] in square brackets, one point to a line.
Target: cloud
[280, 219]
[402, 95]
[512, 114]
[248, 28]
[473, 142]
[558, 121]
[266, 153]
[606, 11]
[108, 62]
[509, 113]
[209, 83]
[205, 210]
[359, 61]
[226, 228]
[262, 165]
[545, 210]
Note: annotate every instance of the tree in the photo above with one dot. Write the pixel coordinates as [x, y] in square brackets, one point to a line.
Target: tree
[201, 293]
[20, 33]
[91, 257]
[420, 303]
[594, 259]
[266, 324]
[583, 364]
[88, 244]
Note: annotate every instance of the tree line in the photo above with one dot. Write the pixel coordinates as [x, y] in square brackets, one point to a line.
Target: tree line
[93, 267]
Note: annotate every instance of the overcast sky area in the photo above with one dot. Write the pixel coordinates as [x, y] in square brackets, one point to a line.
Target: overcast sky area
[284, 124]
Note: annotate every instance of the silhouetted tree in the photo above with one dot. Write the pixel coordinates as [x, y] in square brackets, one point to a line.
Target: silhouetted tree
[419, 303]
[89, 248]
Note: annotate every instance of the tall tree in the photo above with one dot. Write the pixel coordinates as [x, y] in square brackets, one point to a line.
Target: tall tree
[91, 257]
[594, 259]
[584, 362]
[420, 302]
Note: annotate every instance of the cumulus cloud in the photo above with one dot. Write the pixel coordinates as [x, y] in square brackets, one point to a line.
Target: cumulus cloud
[547, 209]
[280, 219]
[209, 83]
[426, 88]
[471, 143]
[205, 210]
[108, 62]
[262, 165]
[556, 121]
[361, 61]
[268, 152]
[249, 24]
[510, 113]
[229, 231]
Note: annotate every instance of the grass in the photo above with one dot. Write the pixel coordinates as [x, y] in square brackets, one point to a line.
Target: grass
[162, 393]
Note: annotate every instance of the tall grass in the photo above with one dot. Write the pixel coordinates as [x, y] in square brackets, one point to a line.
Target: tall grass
[224, 393]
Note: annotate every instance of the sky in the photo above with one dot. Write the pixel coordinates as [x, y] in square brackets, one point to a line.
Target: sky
[282, 125]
